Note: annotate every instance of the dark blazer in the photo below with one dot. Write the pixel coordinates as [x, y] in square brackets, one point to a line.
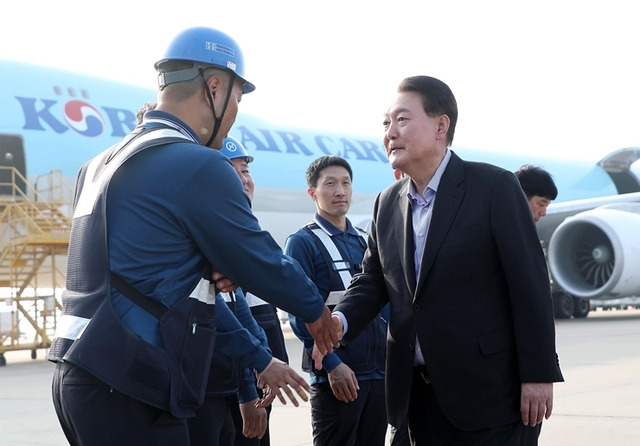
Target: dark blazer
[481, 309]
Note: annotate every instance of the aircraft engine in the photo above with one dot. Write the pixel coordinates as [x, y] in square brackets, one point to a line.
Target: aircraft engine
[596, 254]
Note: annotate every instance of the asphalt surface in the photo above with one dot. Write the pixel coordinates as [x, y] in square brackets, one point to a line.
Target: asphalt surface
[599, 404]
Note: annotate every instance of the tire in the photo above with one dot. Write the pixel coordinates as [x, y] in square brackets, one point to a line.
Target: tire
[562, 305]
[581, 307]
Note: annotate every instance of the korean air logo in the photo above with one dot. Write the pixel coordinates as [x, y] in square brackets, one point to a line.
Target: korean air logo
[84, 118]
[231, 147]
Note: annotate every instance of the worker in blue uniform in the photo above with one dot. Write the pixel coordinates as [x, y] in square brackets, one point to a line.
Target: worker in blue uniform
[234, 412]
[251, 421]
[347, 397]
[231, 380]
[156, 220]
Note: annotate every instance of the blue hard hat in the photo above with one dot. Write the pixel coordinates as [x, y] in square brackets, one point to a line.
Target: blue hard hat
[232, 148]
[205, 46]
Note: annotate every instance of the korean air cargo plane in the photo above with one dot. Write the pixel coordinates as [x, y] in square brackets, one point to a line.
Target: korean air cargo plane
[57, 120]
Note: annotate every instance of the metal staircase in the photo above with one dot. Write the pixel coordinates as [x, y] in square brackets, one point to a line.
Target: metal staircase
[34, 238]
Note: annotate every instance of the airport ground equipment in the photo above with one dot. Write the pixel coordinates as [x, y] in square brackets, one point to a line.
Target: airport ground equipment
[34, 238]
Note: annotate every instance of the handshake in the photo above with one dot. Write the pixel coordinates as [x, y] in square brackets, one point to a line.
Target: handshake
[325, 341]
[278, 378]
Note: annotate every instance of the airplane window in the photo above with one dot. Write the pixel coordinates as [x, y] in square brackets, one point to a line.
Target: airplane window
[57, 90]
[71, 92]
[85, 94]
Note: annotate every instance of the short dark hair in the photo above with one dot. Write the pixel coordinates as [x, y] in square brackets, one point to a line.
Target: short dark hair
[437, 99]
[317, 165]
[535, 180]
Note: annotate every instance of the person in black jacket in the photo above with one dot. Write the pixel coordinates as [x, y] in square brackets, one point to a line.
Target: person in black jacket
[452, 247]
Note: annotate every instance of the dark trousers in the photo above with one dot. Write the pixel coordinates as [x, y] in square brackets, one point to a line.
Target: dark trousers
[428, 426]
[362, 422]
[91, 413]
[241, 440]
[213, 423]
[399, 436]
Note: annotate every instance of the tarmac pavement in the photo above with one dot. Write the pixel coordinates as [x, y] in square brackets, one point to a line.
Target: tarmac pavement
[598, 404]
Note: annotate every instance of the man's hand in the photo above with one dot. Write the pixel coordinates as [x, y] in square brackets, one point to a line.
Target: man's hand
[339, 330]
[324, 332]
[254, 419]
[267, 398]
[279, 376]
[344, 383]
[536, 402]
[337, 325]
[222, 283]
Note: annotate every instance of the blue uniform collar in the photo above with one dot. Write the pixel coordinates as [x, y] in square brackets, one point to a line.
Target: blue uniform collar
[331, 229]
[162, 117]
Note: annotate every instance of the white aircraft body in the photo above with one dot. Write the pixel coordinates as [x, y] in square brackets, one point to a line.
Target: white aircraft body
[57, 120]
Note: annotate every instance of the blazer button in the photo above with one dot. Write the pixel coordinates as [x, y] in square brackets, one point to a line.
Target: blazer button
[416, 308]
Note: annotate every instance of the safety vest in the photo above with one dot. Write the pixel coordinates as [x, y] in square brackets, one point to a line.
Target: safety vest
[365, 354]
[90, 334]
[340, 269]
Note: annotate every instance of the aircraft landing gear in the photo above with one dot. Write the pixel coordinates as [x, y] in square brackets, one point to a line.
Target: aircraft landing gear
[581, 307]
[563, 305]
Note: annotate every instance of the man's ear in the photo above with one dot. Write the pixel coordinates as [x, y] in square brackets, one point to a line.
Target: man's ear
[312, 193]
[215, 85]
[442, 125]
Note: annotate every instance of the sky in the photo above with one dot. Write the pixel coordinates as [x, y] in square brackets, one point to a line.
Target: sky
[557, 78]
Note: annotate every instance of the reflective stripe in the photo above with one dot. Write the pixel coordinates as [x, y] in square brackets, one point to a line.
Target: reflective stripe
[204, 292]
[334, 297]
[70, 327]
[331, 247]
[92, 186]
[340, 265]
[254, 301]
[226, 297]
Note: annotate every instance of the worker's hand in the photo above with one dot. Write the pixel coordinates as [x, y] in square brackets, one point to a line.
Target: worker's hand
[267, 397]
[315, 354]
[536, 402]
[280, 377]
[222, 283]
[254, 419]
[324, 332]
[344, 383]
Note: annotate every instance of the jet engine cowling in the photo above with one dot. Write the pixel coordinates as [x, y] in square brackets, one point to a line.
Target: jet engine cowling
[596, 254]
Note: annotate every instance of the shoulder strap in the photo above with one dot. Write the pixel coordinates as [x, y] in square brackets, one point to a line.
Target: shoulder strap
[151, 306]
[99, 170]
[140, 139]
[338, 262]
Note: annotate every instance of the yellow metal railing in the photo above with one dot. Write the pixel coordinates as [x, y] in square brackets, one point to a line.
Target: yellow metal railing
[34, 237]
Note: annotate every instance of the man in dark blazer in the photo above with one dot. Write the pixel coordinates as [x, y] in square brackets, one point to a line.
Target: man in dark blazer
[471, 345]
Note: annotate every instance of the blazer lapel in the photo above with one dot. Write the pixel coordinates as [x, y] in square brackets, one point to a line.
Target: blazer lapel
[450, 193]
[403, 228]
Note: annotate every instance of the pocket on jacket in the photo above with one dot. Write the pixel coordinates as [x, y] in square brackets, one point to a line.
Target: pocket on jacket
[495, 342]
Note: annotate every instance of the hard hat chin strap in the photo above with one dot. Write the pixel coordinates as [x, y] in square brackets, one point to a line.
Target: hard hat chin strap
[217, 121]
